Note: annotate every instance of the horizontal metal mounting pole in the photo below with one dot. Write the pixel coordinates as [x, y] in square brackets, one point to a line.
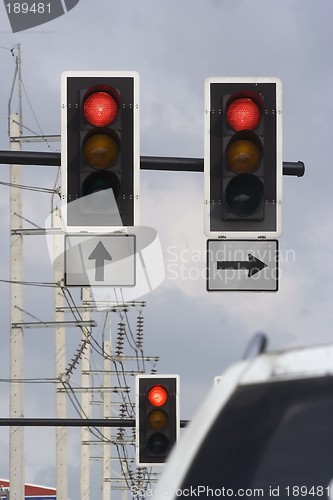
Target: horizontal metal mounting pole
[173, 164]
[50, 159]
[197, 165]
[72, 422]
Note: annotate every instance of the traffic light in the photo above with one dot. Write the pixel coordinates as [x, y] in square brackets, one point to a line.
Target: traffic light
[157, 417]
[243, 157]
[100, 158]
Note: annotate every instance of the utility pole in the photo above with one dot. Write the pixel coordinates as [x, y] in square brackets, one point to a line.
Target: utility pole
[60, 367]
[86, 407]
[106, 452]
[16, 410]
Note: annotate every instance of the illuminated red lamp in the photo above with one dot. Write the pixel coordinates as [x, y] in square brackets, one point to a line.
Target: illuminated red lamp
[100, 109]
[243, 113]
[157, 395]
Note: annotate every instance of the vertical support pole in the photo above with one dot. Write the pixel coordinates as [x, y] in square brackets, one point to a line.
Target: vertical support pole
[106, 479]
[86, 410]
[60, 362]
[124, 487]
[16, 410]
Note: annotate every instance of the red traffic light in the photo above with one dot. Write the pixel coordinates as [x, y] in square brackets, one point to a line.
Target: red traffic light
[243, 113]
[157, 417]
[100, 160]
[157, 395]
[100, 109]
[243, 157]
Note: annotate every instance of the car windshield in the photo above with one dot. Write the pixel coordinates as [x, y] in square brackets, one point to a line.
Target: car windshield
[270, 440]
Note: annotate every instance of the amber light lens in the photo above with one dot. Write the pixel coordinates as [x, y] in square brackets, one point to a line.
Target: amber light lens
[100, 109]
[243, 156]
[100, 151]
[243, 114]
[157, 395]
[157, 420]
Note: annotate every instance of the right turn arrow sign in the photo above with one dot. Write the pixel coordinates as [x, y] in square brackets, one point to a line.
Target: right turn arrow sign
[242, 265]
[253, 265]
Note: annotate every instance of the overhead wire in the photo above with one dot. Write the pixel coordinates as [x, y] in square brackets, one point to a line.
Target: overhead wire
[121, 447]
[99, 349]
[41, 133]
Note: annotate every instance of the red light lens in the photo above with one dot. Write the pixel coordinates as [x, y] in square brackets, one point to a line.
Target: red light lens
[100, 109]
[157, 395]
[243, 114]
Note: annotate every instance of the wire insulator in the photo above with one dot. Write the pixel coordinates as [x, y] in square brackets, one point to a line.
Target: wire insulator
[139, 332]
[119, 350]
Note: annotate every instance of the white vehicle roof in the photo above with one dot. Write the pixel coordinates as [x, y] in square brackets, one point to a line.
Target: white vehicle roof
[292, 364]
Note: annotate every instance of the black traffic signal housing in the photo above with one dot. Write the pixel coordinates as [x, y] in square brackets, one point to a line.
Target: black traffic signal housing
[157, 418]
[243, 157]
[100, 158]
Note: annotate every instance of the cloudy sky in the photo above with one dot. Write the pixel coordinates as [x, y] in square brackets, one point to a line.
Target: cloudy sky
[174, 45]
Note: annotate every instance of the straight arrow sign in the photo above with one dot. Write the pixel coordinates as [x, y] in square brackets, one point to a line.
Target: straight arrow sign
[253, 265]
[105, 260]
[100, 255]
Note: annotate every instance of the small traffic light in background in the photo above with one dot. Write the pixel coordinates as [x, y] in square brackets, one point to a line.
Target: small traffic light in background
[100, 158]
[157, 417]
[243, 157]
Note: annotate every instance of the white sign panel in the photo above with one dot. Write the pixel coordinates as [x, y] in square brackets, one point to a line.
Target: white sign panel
[242, 265]
[98, 260]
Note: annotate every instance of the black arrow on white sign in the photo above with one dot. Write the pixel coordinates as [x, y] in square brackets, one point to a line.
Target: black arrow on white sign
[253, 265]
[100, 255]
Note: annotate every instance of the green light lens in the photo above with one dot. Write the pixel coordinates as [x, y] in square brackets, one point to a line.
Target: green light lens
[244, 194]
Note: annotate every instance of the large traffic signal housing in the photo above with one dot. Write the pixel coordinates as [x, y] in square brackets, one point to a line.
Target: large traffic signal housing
[243, 157]
[100, 158]
[157, 417]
